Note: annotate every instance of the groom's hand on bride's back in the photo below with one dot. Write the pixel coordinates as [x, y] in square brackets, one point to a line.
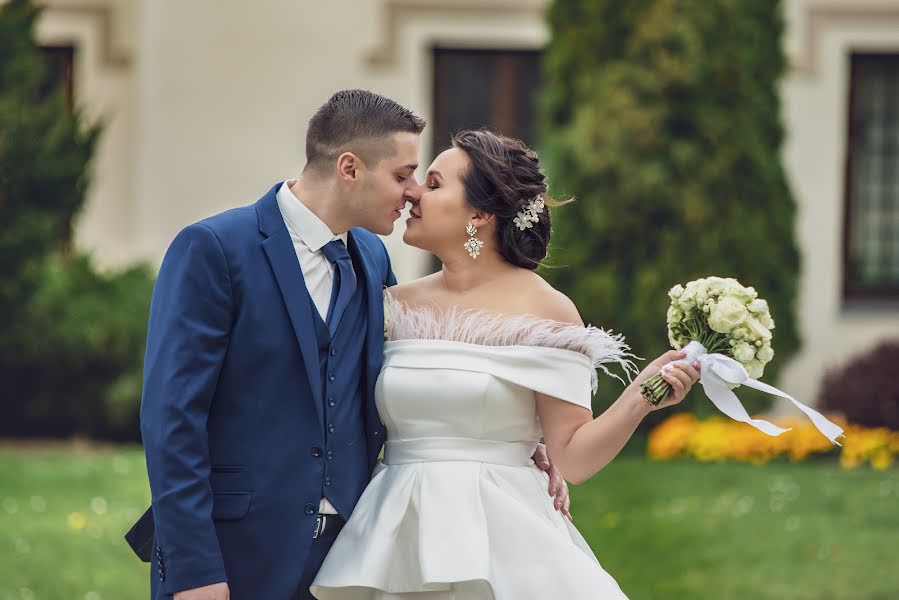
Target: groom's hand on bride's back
[557, 485]
[216, 591]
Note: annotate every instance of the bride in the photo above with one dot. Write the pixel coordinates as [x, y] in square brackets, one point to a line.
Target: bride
[484, 359]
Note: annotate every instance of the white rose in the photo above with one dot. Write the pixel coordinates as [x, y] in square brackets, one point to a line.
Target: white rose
[728, 314]
[716, 285]
[702, 291]
[765, 353]
[757, 330]
[676, 292]
[735, 290]
[675, 343]
[758, 306]
[675, 315]
[744, 353]
[687, 301]
[766, 320]
[755, 369]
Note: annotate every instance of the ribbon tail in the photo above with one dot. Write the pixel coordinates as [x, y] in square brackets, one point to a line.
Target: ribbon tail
[828, 428]
[727, 402]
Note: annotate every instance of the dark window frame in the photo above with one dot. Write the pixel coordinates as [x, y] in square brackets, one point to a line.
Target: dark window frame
[505, 108]
[60, 65]
[508, 114]
[852, 292]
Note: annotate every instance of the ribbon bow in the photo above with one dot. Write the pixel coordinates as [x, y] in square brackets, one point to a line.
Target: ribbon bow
[719, 372]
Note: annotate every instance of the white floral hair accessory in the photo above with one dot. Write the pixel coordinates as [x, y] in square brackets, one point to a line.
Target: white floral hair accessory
[527, 217]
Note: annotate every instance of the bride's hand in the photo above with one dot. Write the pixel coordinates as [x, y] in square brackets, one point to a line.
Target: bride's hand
[558, 488]
[680, 376]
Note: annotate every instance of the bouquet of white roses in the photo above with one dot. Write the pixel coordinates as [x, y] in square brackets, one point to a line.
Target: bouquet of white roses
[727, 328]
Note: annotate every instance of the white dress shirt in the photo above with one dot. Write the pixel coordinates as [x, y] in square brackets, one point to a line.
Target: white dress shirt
[309, 235]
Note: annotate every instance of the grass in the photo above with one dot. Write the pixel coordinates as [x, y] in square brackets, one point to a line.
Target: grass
[663, 530]
[63, 512]
[778, 531]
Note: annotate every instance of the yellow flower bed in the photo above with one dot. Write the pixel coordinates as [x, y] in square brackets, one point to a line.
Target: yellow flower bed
[719, 439]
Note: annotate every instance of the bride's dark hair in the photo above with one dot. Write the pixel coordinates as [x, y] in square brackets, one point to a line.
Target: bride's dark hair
[505, 176]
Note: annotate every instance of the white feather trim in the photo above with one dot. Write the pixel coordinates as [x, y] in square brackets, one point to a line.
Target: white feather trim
[488, 328]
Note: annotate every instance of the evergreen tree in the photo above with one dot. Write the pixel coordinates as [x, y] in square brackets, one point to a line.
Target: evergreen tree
[45, 152]
[71, 338]
[662, 118]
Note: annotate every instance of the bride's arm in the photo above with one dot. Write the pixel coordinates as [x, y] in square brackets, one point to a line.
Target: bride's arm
[580, 445]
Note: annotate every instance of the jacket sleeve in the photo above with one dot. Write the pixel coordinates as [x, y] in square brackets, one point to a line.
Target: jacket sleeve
[187, 339]
[389, 277]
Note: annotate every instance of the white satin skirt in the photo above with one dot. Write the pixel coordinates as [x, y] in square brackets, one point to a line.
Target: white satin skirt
[453, 519]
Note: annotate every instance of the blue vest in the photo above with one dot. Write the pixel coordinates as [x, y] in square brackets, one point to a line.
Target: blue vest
[346, 472]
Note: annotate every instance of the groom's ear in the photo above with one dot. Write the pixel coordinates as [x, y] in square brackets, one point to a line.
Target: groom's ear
[347, 166]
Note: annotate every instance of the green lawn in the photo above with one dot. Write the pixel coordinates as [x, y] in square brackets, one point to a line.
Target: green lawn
[664, 530]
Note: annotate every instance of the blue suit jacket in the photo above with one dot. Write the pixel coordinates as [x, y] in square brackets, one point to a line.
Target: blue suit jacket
[232, 405]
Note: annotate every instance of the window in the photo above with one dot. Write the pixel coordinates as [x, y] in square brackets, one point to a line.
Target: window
[59, 62]
[871, 239]
[484, 88]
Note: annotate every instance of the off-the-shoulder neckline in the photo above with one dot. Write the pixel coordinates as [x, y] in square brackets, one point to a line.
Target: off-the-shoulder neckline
[389, 344]
[485, 328]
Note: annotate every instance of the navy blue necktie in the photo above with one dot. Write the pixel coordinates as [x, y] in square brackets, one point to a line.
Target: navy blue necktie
[344, 282]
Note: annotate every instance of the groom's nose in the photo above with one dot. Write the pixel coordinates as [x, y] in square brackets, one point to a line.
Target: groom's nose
[412, 193]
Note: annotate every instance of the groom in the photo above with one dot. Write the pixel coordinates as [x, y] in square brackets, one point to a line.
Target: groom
[265, 340]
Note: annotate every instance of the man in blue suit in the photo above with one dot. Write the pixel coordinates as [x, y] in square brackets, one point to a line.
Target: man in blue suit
[265, 340]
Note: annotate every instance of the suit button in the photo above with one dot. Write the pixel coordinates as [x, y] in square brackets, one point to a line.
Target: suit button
[330, 454]
[331, 376]
[310, 509]
[377, 433]
[331, 428]
[333, 351]
[331, 402]
[327, 481]
[316, 451]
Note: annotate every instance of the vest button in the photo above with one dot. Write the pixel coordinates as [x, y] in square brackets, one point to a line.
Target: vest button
[331, 428]
[332, 402]
[330, 454]
[331, 376]
[310, 509]
[333, 351]
[316, 451]
[327, 481]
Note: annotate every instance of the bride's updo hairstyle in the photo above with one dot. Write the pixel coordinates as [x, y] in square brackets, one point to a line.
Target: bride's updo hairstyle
[503, 178]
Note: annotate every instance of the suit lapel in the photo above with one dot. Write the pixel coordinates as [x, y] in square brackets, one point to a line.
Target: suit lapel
[374, 299]
[282, 256]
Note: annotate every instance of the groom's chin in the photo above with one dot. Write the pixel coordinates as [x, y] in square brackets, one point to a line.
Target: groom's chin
[382, 229]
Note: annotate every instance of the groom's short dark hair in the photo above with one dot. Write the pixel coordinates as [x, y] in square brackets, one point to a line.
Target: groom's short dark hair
[356, 121]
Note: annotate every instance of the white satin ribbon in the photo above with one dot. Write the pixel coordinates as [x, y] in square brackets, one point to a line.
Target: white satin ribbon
[719, 371]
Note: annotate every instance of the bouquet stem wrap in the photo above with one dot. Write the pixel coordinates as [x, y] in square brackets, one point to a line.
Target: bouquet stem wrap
[720, 372]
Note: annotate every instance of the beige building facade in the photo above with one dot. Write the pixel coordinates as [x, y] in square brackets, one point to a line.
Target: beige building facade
[205, 104]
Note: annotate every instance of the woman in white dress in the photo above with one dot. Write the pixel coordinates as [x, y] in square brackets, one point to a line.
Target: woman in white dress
[484, 359]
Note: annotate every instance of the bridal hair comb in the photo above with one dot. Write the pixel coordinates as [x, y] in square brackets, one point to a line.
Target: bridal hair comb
[527, 217]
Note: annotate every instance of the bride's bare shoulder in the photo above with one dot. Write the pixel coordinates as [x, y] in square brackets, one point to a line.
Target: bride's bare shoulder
[544, 301]
[413, 292]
